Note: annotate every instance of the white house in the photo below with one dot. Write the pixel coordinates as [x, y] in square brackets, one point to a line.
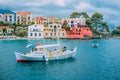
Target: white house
[35, 31]
[1, 17]
[73, 22]
[8, 18]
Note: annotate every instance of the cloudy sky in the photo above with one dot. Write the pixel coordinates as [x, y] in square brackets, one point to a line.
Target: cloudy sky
[63, 8]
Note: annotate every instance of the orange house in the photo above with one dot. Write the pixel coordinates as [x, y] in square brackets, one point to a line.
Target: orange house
[79, 32]
[39, 20]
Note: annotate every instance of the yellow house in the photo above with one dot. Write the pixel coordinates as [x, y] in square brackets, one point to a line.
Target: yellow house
[53, 31]
[51, 20]
[24, 18]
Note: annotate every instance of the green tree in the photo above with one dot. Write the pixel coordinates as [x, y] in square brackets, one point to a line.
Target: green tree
[84, 14]
[97, 19]
[4, 30]
[1, 23]
[105, 26]
[116, 31]
[89, 22]
[78, 14]
[64, 24]
[67, 28]
[75, 14]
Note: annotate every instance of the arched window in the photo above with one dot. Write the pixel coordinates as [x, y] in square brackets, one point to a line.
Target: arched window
[39, 34]
[33, 30]
[35, 34]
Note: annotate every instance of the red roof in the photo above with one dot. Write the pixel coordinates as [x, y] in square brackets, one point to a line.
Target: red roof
[7, 27]
[24, 13]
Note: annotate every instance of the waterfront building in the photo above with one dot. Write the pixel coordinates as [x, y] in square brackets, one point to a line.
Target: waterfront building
[40, 20]
[54, 30]
[79, 32]
[1, 17]
[35, 31]
[8, 18]
[6, 31]
[74, 22]
[33, 21]
[24, 18]
[51, 20]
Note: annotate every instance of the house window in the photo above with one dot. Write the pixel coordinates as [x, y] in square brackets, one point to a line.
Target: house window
[35, 34]
[10, 19]
[36, 30]
[5, 19]
[10, 16]
[33, 30]
[54, 34]
[35, 25]
[39, 34]
[5, 16]
[46, 34]
[51, 34]
[30, 34]
[63, 34]
[55, 26]
[79, 30]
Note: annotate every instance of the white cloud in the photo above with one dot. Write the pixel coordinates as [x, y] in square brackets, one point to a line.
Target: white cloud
[2, 1]
[83, 6]
[110, 14]
[60, 3]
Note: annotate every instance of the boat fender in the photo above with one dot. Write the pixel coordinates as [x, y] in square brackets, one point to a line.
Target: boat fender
[51, 55]
[47, 59]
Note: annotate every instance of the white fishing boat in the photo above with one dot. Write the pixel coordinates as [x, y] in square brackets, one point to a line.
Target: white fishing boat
[41, 53]
[95, 45]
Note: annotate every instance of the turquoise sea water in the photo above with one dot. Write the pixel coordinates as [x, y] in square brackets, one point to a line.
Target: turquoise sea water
[102, 63]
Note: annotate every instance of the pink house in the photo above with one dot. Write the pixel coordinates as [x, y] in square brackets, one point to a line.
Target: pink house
[79, 32]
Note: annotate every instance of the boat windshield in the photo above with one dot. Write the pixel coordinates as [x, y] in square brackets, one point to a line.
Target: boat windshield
[38, 49]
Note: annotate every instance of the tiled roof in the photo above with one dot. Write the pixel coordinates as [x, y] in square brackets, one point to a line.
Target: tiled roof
[7, 27]
[24, 13]
[2, 11]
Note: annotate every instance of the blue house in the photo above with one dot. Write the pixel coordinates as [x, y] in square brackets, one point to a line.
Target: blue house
[7, 16]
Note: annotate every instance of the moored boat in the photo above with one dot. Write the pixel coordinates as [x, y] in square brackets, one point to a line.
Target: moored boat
[95, 45]
[41, 53]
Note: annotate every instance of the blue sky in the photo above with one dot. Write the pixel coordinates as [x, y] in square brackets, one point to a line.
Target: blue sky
[63, 8]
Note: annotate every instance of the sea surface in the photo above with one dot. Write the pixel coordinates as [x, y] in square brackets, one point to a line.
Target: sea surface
[102, 63]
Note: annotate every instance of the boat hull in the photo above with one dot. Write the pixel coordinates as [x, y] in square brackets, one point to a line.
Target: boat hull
[25, 58]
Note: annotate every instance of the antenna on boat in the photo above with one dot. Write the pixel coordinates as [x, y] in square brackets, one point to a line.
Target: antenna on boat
[58, 39]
